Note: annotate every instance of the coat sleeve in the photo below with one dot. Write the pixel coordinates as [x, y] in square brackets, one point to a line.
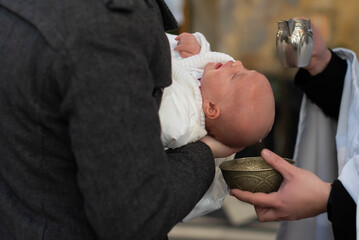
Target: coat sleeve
[342, 212]
[132, 188]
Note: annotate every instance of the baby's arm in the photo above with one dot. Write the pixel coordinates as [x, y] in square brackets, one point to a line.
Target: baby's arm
[204, 45]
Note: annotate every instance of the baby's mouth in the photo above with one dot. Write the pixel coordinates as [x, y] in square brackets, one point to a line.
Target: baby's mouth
[218, 65]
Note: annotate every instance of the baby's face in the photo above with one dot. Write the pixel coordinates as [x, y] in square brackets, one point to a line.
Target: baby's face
[245, 99]
[220, 79]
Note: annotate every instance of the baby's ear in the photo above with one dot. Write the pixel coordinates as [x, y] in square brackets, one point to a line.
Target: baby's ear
[211, 110]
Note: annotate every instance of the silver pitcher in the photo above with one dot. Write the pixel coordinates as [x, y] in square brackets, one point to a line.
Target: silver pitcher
[294, 42]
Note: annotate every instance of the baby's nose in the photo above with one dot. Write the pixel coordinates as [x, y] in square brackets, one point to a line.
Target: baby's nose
[237, 64]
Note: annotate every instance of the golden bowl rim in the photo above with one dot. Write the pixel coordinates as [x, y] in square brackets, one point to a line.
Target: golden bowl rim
[251, 170]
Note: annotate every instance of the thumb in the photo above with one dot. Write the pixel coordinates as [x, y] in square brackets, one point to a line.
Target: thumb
[278, 163]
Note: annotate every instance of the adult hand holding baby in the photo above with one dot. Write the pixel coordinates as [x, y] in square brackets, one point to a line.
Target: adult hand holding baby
[301, 195]
[219, 150]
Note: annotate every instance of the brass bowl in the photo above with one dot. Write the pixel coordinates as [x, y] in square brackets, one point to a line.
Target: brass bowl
[251, 174]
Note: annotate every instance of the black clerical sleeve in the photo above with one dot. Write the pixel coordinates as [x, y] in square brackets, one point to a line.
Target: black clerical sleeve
[325, 90]
[342, 212]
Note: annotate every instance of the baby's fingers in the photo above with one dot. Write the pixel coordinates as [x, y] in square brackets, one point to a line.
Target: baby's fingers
[185, 54]
[181, 47]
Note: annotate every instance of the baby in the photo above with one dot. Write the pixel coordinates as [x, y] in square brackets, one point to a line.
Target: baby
[211, 94]
[215, 95]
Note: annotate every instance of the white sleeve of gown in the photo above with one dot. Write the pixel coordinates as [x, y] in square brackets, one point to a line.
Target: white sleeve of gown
[174, 117]
[205, 46]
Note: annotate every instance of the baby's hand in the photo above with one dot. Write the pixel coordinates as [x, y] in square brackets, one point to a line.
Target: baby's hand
[187, 45]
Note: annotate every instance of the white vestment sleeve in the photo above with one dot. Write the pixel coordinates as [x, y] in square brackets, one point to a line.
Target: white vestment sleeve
[348, 128]
[348, 131]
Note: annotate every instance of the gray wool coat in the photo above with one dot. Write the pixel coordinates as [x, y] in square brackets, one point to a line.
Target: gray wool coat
[80, 150]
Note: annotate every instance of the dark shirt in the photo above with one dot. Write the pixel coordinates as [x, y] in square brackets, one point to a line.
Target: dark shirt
[81, 155]
[325, 89]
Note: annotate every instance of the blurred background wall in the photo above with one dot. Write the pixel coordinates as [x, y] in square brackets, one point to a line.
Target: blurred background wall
[246, 30]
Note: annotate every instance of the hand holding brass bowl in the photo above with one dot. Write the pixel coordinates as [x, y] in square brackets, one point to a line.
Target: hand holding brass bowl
[251, 174]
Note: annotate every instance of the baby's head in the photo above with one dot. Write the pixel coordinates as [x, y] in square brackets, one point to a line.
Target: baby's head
[238, 104]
